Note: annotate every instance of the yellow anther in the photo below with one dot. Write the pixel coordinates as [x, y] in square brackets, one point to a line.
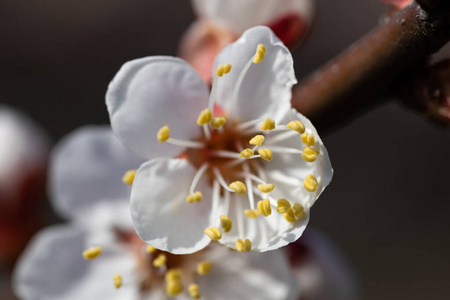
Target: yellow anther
[238, 187]
[259, 55]
[310, 183]
[266, 188]
[257, 140]
[194, 291]
[173, 288]
[163, 134]
[196, 197]
[268, 124]
[218, 122]
[226, 223]
[246, 153]
[128, 178]
[213, 233]
[117, 281]
[296, 126]
[289, 215]
[308, 139]
[150, 249]
[243, 246]
[219, 71]
[223, 69]
[92, 253]
[309, 157]
[173, 275]
[160, 260]
[264, 207]
[252, 213]
[204, 267]
[283, 206]
[226, 68]
[266, 154]
[298, 209]
[204, 117]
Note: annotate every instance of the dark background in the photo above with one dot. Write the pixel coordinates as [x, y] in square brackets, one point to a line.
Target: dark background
[388, 206]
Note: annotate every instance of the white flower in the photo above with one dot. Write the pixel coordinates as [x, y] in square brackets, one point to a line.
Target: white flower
[203, 178]
[53, 268]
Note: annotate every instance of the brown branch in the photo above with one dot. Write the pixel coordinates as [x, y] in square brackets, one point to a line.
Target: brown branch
[358, 78]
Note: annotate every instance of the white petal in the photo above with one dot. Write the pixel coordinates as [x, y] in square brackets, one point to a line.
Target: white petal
[265, 233]
[52, 268]
[149, 93]
[239, 15]
[266, 88]
[159, 210]
[87, 167]
[292, 166]
[248, 276]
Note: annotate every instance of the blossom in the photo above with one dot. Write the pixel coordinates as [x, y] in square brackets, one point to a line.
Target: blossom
[99, 256]
[222, 22]
[242, 167]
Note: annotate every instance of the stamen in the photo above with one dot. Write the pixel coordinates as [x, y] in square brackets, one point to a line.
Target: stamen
[92, 253]
[248, 181]
[206, 131]
[218, 122]
[287, 150]
[221, 180]
[225, 154]
[266, 154]
[296, 126]
[223, 69]
[128, 178]
[310, 183]
[204, 267]
[160, 260]
[173, 275]
[213, 233]
[163, 134]
[246, 153]
[266, 188]
[246, 125]
[215, 199]
[289, 215]
[150, 249]
[197, 177]
[186, 144]
[268, 124]
[194, 291]
[117, 281]
[257, 140]
[173, 288]
[213, 95]
[299, 211]
[243, 246]
[264, 207]
[309, 154]
[252, 213]
[283, 206]
[226, 223]
[204, 117]
[238, 187]
[282, 136]
[308, 139]
[196, 197]
[259, 55]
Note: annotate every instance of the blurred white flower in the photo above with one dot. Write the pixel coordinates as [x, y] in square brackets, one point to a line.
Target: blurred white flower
[243, 144]
[86, 171]
[23, 154]
[222, 22]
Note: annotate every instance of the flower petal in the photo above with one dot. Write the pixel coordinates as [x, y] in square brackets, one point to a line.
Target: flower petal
[248, 276]
[53, 268]
[265, 233]
[266, 88]
[87, 167]
[292, 166]
[149, 93]
[239, 15]
[159, 210]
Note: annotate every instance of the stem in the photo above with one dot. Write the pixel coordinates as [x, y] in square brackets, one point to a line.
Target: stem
[358, 78]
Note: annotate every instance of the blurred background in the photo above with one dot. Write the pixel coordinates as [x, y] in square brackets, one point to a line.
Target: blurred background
[388, 206]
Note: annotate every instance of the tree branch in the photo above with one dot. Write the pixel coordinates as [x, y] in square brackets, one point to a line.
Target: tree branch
[358, 78]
